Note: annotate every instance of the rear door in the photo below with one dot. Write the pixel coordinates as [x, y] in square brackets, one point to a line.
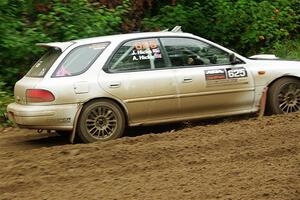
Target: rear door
[208, 84]
[133, 76]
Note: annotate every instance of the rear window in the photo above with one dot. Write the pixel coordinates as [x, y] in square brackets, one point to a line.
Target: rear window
[79, 60]
[41, 67]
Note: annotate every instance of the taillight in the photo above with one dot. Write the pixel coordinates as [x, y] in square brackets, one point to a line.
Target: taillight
[38, 95]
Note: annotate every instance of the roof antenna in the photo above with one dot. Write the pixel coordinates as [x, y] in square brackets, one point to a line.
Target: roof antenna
[176, 29]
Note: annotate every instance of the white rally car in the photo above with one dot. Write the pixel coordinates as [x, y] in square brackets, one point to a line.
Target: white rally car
[93, 88]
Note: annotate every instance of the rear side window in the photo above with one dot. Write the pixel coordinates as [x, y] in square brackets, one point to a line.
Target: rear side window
[79, 60]
[41, 67]
[137, 55]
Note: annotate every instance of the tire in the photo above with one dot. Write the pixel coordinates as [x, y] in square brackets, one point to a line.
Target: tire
[100, 121]
[284, 96]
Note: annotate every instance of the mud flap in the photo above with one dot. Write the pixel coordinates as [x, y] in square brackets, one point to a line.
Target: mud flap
[263, 102]
[72, 135]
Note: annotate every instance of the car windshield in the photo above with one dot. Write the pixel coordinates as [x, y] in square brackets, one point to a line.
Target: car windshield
[41, 67]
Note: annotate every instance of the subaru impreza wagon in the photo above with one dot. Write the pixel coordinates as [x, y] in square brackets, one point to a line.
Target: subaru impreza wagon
[94, 88]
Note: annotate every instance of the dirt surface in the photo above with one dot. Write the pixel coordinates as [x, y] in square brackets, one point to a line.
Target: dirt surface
[246, 158]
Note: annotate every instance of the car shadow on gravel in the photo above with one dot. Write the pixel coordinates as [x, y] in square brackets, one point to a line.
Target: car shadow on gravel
[157, 129]
[47, 140]
[41, 140]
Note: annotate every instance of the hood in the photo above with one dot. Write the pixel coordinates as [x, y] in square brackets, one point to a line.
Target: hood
[285, 66]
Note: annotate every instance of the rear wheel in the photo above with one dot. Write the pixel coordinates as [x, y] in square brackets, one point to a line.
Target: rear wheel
[284, 96]
[100, 121]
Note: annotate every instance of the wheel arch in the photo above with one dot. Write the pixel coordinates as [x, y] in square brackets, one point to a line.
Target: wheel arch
[120, 104]
[281, 77]
[263, 104]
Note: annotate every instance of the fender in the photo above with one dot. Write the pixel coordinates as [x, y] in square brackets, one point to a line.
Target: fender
[282, 76]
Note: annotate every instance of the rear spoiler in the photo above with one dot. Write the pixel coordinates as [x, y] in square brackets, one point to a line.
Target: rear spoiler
[61, 45]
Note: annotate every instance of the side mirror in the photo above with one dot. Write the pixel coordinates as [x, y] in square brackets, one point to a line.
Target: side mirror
[232, 59]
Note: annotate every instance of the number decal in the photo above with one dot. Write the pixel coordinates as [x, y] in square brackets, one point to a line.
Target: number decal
[138, 46]
[236, 73]
[142, 45]
[153, 44]
[226, 77]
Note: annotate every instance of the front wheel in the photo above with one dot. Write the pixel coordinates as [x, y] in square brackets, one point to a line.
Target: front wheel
[284, 96]
[100, 121]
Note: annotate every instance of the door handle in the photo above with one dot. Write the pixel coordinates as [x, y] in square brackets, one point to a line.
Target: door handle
[187, 80]
[114, 85]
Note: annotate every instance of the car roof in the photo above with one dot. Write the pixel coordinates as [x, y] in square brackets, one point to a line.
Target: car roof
[128, 36]
[110, 38]
[115, 38]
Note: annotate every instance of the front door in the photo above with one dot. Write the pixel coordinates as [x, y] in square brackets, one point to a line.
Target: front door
[208, 84]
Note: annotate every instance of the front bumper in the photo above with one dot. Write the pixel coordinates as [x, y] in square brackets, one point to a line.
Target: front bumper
[56, 117]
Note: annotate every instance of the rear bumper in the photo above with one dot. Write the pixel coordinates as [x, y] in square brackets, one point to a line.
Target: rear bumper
[56, 117]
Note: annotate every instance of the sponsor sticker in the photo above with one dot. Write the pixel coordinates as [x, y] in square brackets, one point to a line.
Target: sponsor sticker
[215, 74]
[228, 76]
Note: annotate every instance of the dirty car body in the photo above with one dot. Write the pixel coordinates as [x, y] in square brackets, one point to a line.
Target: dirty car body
[96, 87]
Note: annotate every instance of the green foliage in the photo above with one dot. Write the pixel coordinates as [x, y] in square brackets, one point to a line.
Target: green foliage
[169, 17]
[244, 25]
[5, 99]
[77, 19]
[287, 49]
